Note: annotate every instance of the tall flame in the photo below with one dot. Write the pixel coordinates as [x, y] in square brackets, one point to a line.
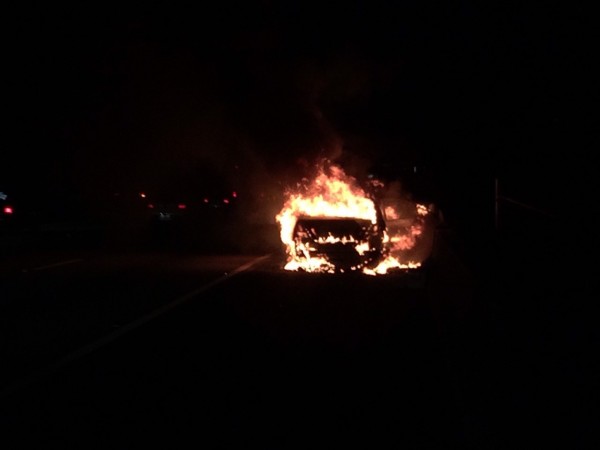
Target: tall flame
[332, 194]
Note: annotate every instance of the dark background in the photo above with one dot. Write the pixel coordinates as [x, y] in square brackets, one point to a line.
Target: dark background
[108, 98]
[105, 97]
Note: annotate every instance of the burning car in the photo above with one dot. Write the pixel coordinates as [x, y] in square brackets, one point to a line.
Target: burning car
[342, 243]
[331, 224]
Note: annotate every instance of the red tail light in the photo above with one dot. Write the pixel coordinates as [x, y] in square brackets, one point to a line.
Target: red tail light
[182, 206]
[8, 210]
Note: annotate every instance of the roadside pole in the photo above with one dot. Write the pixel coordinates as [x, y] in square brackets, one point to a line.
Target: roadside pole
[496, 201]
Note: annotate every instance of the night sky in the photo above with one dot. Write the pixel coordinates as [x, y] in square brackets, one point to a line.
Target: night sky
[108, 97]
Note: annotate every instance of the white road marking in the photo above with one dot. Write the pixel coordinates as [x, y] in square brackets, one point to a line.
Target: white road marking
[87, 349]
[58, 264]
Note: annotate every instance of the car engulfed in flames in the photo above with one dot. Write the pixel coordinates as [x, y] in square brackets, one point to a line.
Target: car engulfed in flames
[337, 244]
[332, 225]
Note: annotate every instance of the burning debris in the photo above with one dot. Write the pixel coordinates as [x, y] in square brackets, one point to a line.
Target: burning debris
[331, 224]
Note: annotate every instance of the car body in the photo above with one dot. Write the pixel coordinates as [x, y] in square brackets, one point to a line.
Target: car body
[345, 243]
[401, 238]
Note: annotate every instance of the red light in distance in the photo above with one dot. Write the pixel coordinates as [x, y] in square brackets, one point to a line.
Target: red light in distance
[8, 210]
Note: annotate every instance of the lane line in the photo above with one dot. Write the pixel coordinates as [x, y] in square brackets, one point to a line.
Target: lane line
[58, 264]
[111, 337]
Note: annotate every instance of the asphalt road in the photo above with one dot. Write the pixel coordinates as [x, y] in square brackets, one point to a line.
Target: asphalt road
[144, 345]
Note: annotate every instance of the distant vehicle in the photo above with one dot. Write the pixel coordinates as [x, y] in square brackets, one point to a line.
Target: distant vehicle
[169, 218]
[347, 243]
[165, 210]
[8, 212]
[187, 218]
